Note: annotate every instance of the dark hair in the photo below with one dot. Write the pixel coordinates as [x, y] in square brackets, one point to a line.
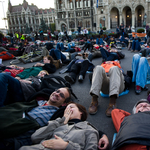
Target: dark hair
[67, 100]
[49, 58]
[82, 109]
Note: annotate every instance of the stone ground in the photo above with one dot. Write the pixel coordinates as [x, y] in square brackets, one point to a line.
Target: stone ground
[100, 120]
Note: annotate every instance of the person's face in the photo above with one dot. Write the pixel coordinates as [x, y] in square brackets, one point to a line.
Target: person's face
[58, 97]
[13, 66]
[142, 107]
[42, 74]
[45, 60]
[76, 114]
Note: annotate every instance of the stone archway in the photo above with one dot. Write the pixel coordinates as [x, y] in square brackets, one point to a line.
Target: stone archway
[139, 16]
[63, 27]
[114, 17]
[127, 16]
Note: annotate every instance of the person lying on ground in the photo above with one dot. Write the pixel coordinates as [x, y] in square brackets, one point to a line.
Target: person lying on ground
[141, 73]
[133, 129]
[110, 79]
[79, 67]
[14, 90]
[16, 128]
[13, 70]
[81, 135]
[33, 71]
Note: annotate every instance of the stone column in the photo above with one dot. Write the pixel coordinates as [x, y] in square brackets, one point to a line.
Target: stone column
[108, 21]
[133, 19]
[120, 16]
[11, 21]
[55, 4]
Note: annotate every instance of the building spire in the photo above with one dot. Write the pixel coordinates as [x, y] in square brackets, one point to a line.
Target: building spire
[25, 4]
[9, 5]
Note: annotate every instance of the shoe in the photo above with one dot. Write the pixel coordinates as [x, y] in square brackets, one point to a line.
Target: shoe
[137, 89]
[109, 109]
[22, 60]
[103, 60]
[132, 51]
[145, 88]
[80, 79]
[69, 79]
[136, 51]
[28, 61]
[94, 105]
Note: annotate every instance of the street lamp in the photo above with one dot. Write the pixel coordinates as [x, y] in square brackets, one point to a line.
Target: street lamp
[104, 20]
[135, 24]
[4, 14]
[145, 16]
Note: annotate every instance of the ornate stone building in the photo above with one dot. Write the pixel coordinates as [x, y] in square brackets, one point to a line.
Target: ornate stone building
[69, 14]
[110, 13]
[24, 15]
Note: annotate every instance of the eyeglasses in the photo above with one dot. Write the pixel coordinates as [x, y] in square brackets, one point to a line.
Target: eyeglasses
[60, 93]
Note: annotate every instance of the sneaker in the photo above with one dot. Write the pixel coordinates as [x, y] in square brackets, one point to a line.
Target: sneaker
[22, 60]
[28, 61]
[69, 79]
[94, 105]
[109, 109]
[145, 88]
[80, 79]
[136, 51]
[137, 89]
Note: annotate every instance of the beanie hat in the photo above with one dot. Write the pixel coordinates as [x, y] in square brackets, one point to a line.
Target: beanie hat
[140, 101]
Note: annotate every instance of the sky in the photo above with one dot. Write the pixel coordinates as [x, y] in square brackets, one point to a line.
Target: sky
[4, 6]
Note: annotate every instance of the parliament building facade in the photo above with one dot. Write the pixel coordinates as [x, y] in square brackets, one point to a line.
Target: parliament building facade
[90, 14]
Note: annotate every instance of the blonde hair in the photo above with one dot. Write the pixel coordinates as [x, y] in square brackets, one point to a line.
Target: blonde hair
[44, 71]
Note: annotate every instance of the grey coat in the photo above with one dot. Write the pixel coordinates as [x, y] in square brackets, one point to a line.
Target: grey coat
[81, 136]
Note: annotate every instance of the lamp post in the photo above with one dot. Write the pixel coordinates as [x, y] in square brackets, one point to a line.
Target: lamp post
[104, 20]
[4, 14]
[145, 16]
[135, 24]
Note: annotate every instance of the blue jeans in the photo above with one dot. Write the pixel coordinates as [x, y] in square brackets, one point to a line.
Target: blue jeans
[140, 69]
[32, 39]
[108, 56]
[56, 54]
[10, 90]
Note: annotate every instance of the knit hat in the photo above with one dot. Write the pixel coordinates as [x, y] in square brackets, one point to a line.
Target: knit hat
[140, 101]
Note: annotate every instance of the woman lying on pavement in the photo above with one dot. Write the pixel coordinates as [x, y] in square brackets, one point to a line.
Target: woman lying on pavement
[33, 71]
[81, 135]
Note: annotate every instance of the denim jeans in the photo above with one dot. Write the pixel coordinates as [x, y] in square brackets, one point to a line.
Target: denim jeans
[79, 68]
[140, 69]
[108, 56]
[10, 90]
[57, 54]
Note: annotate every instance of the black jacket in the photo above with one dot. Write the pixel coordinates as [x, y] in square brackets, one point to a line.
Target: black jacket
[135, 129]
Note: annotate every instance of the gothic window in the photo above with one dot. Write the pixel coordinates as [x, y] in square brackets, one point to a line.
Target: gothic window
[85, 3]
[60, 4]
[37, 21]
[88, 3]
[71, 24]
[50, 19]
[86, 13]
[9, 22]
[24, 20]
[81, 4]
[80, 23]
[29, 21]
[20, 20]
[16, 20]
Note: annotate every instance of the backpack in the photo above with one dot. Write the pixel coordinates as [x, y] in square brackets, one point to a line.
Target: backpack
[55, 82]
[6, 55]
